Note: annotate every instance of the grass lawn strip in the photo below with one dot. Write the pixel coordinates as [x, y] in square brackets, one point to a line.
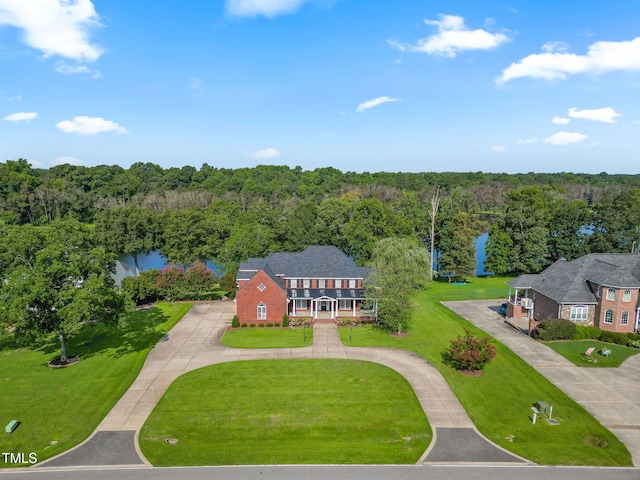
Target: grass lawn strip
[268, 338]
[499, 402]
[59, 408]
[313, 411]
[574, 351]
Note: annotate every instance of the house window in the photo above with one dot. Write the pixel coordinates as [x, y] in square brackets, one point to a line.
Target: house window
[306, 283]
[611, 293]
[626, 297]
[302, 304]
[352, 284]
[608, 316]
[322, 283]
[261, 287]
[624, 319]
[599, 291]
[262, 311]
[337, 284]
[344, 304]
[579, 312]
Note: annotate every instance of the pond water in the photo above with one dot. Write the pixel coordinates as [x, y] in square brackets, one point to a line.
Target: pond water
[157, 261]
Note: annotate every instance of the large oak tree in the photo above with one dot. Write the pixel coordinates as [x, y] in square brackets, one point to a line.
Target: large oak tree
[54, 280]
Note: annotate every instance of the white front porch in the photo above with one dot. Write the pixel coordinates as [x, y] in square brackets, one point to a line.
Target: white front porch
[326, 308]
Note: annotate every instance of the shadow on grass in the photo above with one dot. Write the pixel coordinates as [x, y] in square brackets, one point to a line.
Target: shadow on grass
[139, 332]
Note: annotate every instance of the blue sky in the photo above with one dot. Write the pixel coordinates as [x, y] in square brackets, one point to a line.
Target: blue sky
[360, 85]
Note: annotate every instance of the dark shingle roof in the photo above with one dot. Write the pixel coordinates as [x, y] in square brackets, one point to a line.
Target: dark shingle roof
[568, 282]
[314, 262]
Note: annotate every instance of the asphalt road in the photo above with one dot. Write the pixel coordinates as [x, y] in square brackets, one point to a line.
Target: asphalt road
[409, 472]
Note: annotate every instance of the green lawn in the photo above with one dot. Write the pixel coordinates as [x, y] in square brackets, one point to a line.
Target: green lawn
[287, 412]
[574, 351]
[268, 338]
[59, 408]
[499, 402]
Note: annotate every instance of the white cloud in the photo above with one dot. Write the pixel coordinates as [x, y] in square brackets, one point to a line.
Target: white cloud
[528, 141]
[266, 153]
[17, 98]
[453, 36]
[606, 115]
[268, 8]
[374, 103]
[21, 116]
[89, 126]
[498, 148]
[64, 160]
[565, 138]
[66, 69]
[602, 57]
[551, 47]
[55, 27]
[560, 120]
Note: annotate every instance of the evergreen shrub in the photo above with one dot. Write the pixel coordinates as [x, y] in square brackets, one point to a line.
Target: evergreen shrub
[584, 332]
[555, 329]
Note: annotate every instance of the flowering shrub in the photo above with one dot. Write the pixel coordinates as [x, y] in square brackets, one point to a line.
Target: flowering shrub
[469, 352]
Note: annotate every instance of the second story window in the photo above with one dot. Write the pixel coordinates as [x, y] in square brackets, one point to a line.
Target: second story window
[626, 297]
[611, 293]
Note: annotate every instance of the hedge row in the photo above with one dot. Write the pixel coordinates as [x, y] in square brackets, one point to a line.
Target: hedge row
[562, 329]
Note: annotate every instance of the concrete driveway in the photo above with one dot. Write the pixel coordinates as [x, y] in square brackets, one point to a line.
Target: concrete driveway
[195, 342]
[611, 395]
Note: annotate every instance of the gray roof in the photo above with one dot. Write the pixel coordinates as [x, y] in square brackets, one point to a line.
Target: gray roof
[314, 262]
[568, 282]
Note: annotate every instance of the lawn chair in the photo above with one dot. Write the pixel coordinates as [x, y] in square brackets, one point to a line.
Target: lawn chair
[589, 351]
[605, 352]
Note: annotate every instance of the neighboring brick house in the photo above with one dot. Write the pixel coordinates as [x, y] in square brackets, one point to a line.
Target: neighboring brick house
[600, 289]
[319, 282]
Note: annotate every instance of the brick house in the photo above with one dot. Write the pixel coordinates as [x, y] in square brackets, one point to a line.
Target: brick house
[320, 282]
[599, 289]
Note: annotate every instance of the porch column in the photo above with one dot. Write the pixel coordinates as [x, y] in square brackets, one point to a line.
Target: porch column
[294, 307]
[353, 307]
[315, 308]
[332, 305]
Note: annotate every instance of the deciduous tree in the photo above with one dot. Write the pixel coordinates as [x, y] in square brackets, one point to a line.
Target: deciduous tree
[400, 266]
[55, 280]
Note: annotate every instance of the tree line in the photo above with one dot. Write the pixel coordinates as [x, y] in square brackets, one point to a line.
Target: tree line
[230, 215]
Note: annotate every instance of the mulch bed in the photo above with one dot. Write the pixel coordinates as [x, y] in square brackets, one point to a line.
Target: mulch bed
[56, 363]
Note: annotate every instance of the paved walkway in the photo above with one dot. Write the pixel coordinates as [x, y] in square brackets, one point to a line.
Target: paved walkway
[611, 395]
[195, 342]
